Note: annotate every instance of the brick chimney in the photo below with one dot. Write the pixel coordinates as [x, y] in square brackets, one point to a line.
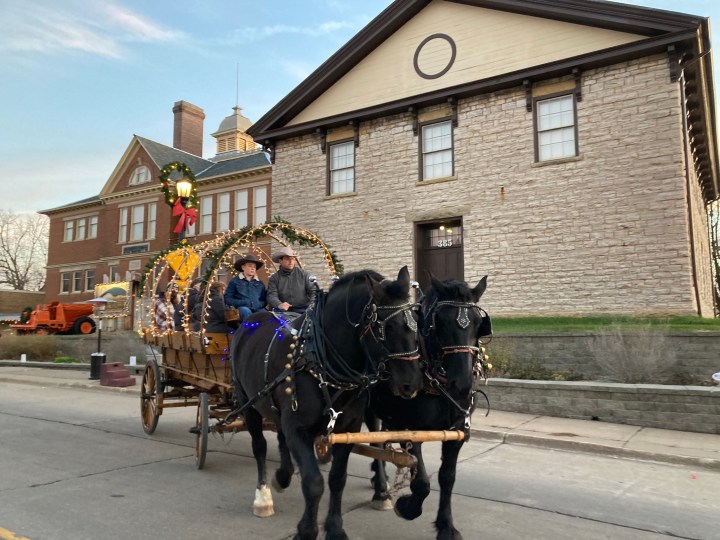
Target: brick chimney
[188, 130]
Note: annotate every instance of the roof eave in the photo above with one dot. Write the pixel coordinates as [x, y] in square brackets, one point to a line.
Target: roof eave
[508, 80]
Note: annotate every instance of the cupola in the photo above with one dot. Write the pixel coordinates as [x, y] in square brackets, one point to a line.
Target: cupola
[231, 135]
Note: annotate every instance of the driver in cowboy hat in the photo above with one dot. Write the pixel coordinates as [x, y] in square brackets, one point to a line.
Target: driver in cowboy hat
[289, 289]
[245, 291]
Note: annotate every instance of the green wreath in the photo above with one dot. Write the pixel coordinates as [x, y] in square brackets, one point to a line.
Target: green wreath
[171, 196]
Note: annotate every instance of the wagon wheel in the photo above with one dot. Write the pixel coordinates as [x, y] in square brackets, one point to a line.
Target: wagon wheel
[202, 427]
[151, 397]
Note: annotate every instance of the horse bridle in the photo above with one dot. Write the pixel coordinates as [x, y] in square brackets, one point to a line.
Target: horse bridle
[375, 327]
[463, 321]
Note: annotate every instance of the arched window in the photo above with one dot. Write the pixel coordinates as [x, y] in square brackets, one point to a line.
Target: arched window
[140, 175]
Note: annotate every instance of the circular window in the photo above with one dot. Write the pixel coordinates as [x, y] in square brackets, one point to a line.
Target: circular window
[434, 56]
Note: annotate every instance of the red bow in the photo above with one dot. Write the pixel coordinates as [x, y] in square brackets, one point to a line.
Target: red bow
[186, 214]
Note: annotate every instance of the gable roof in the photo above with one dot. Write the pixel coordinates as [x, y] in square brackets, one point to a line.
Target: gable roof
[657, 31]
[162, 154]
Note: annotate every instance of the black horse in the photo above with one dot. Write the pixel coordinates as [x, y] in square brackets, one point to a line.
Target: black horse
[311, 376]
[451, 325]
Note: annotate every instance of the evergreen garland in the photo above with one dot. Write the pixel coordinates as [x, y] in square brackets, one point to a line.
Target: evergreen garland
[171, 195]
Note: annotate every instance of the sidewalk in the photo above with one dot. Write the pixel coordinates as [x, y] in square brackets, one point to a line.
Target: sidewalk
[615, 440]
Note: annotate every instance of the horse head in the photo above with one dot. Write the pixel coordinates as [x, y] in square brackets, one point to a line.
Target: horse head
[451, 327]
[392, 325]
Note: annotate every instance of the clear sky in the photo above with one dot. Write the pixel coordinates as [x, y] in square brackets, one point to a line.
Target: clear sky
[79, 77]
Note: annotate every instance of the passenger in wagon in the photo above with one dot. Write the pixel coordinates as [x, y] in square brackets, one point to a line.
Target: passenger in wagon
[194, 298]
[289, 289]
[163, 309]
[246, 292]
[215, 322]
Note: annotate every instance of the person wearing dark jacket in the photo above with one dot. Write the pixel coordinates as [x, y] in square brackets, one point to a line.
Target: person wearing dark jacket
[215, 321]
[245, 291]
[289, 289]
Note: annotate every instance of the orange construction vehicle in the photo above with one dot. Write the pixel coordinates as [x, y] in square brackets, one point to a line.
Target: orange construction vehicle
[57, 318]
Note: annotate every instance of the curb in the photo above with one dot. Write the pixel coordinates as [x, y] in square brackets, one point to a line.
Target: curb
[540, 441]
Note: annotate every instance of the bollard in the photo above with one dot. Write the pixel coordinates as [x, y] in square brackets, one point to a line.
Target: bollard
[23, 358]
[97, 359]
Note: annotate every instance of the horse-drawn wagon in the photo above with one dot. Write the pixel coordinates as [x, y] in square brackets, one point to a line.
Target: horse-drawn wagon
[311, 378]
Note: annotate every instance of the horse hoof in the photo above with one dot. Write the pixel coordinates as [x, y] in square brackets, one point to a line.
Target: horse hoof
[263, 503]
[405, 511]
[381, 504]
[276, 485]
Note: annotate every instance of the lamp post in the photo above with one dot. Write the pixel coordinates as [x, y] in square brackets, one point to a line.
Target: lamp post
[181, 195]
[183, 188]
[97, 358]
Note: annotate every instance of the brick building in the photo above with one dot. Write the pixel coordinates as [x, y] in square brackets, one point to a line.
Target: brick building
[568, 149]
[111, 236]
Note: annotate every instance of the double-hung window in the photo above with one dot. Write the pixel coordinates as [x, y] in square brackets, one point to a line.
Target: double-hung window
[556, 134]
[342, 168]
[241, 208]
[206, 214]
[259, 205]
[138, 223]
[223, 212]
[437, 150]
[65, 282]
[93, 227]
[69, 228]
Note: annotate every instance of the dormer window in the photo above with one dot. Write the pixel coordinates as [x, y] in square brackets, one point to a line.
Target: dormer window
[141, 175]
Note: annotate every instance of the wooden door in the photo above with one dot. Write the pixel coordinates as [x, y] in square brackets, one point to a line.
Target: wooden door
[439, 249]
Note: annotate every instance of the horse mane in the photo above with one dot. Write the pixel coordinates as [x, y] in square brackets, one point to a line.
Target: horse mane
[393, 289]
[454, 289]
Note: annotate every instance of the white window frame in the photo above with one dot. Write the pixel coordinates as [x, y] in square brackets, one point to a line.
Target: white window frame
[241, 209]
[341, 167]
[137, 224]
[123, 225]
[223, 212]
[65, 282]
[151, 221]
[89, 280]
[555, 121]
[92, 227]
[437, 150]
[80, 229]
[69, 230]
[206, 214]
[259, 205]
[77, 281]
[141, 175]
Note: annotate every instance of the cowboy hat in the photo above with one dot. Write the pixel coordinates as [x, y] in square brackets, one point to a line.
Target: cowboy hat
[246, 259]
[283, 252]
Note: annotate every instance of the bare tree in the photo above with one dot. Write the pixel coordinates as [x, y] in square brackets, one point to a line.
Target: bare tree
[23, 250]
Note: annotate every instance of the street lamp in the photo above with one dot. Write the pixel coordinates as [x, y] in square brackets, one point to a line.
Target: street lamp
[97, 358]
[183, 188]
[181, 195]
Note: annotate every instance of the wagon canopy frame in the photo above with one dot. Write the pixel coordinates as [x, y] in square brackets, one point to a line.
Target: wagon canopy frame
[183, 262]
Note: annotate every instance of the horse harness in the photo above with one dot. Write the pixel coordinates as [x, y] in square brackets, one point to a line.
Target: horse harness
[434, 372]
[309, 352]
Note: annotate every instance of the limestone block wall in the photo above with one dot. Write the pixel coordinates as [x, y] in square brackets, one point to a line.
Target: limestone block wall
[606, 231]
[696, 353]
[684, 408]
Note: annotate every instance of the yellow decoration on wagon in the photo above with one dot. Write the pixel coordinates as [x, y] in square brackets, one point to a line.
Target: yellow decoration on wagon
[183, 262]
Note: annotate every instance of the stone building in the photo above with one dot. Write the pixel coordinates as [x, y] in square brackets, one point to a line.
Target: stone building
[111, 236]
[567, 149]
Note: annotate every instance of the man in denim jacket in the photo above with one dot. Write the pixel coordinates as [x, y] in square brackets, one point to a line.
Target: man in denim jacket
[245, 291]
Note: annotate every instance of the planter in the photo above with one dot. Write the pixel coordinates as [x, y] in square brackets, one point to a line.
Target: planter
[684, 408]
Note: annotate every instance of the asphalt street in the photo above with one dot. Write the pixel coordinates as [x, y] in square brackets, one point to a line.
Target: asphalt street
[75, 464]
